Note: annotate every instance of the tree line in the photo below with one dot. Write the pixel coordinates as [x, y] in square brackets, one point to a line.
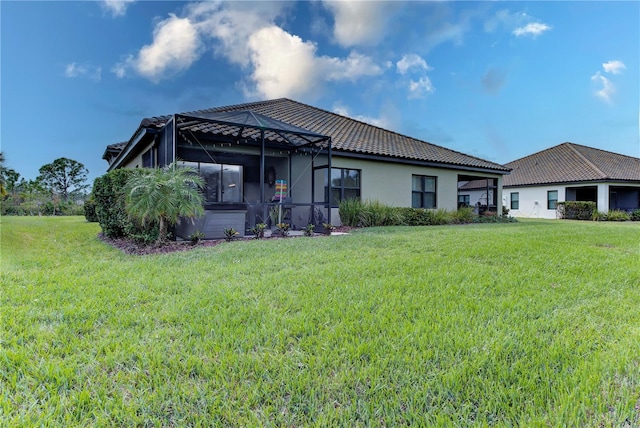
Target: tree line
[60, 189]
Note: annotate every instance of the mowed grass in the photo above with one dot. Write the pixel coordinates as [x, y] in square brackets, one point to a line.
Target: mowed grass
[535, 323]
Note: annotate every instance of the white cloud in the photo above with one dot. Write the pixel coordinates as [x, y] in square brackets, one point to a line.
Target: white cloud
[411, 61]
[533, 29]
[83, 70]
[504, 18]
[607, 87]
[359, 22]
[420, 88]
[232, 24]
[614, 67]
[116, 7]
[176, 45]
[286, 66]
[277, 63]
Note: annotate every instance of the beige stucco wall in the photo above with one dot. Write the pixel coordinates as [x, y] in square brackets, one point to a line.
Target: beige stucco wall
[137, 161]
[387, 182]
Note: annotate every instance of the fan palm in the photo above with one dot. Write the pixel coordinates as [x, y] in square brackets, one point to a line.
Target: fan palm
[164, 195]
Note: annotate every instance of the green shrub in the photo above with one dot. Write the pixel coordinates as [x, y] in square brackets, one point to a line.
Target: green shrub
[375, 213]
[440, 217]
[635, 215]
[90, 210]
[599, 216]
[258, 230]
[349, 211]
[230, 234]
[464, 215]
[415, 216]
[308, 231]
[617, 215]
[109, 197]
[577, 210]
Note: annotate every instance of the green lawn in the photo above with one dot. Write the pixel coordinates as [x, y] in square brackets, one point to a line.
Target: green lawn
[535, 323]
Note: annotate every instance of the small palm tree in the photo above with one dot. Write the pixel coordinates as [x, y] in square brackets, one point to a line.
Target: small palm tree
[164, 195]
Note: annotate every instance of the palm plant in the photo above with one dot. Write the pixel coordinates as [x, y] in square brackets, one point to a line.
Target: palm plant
[164, 195]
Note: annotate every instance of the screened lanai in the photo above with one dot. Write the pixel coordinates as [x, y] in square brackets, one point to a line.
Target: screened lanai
[256, 169]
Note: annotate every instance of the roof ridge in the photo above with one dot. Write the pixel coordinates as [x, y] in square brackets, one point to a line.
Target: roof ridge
[584, 158]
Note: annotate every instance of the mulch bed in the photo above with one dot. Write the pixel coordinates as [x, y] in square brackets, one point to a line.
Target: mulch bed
[133, 248]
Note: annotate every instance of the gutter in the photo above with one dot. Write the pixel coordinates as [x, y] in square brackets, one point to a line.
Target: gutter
[133, 142]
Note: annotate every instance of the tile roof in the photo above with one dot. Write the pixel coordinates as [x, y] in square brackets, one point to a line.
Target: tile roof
[569, 162]
[348, 135]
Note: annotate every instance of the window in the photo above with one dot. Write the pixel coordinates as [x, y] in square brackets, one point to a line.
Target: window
[223, 183]
[147, 159]
[515, 200]
[423, 191]
[345, 184]
[464, 201]
[552, 199]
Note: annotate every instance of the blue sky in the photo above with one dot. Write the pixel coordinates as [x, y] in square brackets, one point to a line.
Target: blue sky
[498, 80]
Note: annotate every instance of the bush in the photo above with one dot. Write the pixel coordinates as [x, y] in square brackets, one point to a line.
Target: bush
[635, 215]
[90, 210]
[464, 215]
[109, 197]
[375, 213]
[349, 211]
[577, 210]
[617, 215]
[415, 216]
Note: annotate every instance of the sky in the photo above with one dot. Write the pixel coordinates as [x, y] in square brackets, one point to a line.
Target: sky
[499, 80]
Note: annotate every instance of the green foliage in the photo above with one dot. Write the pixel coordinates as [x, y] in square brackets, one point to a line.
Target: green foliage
[430, 326]
[328, 228]
[283, 228]
[230, 234]
[415, 216]
[63, 176]
[196, 237]
[375, 213]
[635, 215]
[163, 195]
[618, 215]
[308, 230]
[109, 197]
[464, 215]
[258, 230]
[90, 210]
[349, 211]
[577, 210]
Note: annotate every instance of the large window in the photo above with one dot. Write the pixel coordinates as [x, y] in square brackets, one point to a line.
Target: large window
[345, 184]
[223, 183]
[552, 199]
[515, 200]
[423, 191]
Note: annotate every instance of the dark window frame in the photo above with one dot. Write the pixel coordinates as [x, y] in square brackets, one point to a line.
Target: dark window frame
[343, 191]
[552, 204]
[515, 202]
[422, 193]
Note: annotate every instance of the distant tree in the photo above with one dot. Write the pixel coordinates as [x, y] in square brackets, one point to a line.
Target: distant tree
[63, 176]
[9, 179]
[164, 195]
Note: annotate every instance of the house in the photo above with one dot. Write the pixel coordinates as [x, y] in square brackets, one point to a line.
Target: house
[571, 172]
[282, 160]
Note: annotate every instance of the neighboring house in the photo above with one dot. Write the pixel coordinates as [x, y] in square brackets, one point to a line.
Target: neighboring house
[281, 156]
[479, 194]
[571, 172]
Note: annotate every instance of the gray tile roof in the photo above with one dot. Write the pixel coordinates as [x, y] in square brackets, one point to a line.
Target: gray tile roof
[569, 163]
[348, 135]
